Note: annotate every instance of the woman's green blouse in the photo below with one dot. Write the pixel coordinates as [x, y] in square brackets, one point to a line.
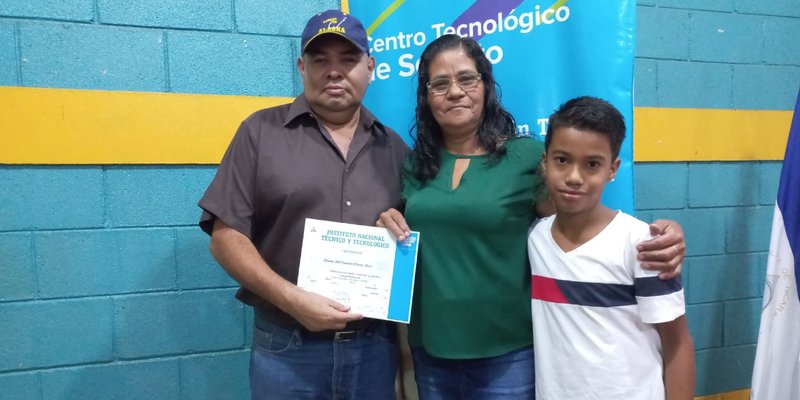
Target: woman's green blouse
[472, 290]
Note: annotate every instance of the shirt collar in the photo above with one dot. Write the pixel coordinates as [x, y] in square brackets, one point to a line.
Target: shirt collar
[300, 107]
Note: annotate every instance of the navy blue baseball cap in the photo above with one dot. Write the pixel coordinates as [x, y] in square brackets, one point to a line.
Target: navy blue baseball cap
[337, 23]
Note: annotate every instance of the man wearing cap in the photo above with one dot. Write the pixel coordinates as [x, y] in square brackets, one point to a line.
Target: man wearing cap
[323, 156]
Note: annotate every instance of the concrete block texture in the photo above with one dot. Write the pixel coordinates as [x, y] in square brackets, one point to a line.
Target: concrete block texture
[297, 79]
[787, 8]
[34, 198]
[742, 319]
[196, 267]
[188, 14]
[153, 196]
[726, 37]
[769, 179]
[727, 277]
[662, 33]
[70, 10]
[686, 84]
[724, 369]
[9, 61]
[20, 386]
[92, 57]
[705, 323]
[120, 381]
[249, 315]
[723, 184]
[766, 87]
[54, 333]
[224, 63]
[780, 39]
[660, 185]
[105, 262]
[645, 83]
[710, 5]
[270, 16]
[16, 267]
[178, 323]
[748, 229]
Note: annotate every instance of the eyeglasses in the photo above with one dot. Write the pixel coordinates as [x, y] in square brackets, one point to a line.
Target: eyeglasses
[466, 82]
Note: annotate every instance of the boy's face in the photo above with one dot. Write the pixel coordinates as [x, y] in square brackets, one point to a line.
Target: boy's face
[576, 168]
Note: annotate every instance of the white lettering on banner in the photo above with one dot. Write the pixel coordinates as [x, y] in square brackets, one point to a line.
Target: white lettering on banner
[400, 41]
[524, 129]
[494, 54]
[486, 26]
[524, 22]
[382, 71]
[406, 64]
[508, 21]
[562, 14]
[547, 17]
[407, 68]
[542, 126]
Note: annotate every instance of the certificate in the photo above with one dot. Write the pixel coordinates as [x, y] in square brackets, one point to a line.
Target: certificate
[363, 267]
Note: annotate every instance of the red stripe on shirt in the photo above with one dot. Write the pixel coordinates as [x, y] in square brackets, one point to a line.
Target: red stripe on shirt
[546, 289]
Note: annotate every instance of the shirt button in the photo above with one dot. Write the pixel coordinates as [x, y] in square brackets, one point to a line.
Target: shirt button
[348, 203]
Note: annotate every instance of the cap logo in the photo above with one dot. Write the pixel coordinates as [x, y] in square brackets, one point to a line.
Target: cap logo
[335, 22]
[333, 26]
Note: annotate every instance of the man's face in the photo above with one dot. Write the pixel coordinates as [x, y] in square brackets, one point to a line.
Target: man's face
[335, 74]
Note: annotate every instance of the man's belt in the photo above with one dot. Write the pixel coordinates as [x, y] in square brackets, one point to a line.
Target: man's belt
[352, 330]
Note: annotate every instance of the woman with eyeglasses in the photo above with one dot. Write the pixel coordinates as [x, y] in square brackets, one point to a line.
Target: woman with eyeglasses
[469, 188]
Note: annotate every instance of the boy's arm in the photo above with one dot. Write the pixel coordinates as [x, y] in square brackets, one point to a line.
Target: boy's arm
[678, 350]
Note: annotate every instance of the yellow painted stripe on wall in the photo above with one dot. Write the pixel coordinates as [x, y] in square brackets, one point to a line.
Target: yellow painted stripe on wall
[693, 134]
[65, 126]
[736, 395]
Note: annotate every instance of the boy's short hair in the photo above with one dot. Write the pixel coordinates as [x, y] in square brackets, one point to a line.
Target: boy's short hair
[589, 114]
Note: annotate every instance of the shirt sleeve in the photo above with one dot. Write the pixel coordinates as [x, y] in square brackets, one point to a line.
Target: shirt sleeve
[230, 196]
[658, 300]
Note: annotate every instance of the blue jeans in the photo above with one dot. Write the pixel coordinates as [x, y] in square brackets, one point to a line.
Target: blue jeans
[287, 364]
[508, 376]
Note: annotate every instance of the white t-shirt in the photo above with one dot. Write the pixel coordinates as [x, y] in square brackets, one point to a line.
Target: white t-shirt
[593, 310]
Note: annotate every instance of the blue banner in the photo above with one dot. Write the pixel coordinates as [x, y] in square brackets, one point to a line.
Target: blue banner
[543, 54]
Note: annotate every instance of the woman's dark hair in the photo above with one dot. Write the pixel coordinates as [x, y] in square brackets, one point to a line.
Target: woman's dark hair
[497, 125]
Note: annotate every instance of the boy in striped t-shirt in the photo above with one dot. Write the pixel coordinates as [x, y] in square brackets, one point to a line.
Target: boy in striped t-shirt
[604, 328]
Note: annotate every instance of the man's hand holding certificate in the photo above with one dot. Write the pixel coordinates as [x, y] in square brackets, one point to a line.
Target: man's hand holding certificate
[363, 267]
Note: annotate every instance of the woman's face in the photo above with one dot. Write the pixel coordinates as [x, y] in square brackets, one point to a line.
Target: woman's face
[459, 109]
